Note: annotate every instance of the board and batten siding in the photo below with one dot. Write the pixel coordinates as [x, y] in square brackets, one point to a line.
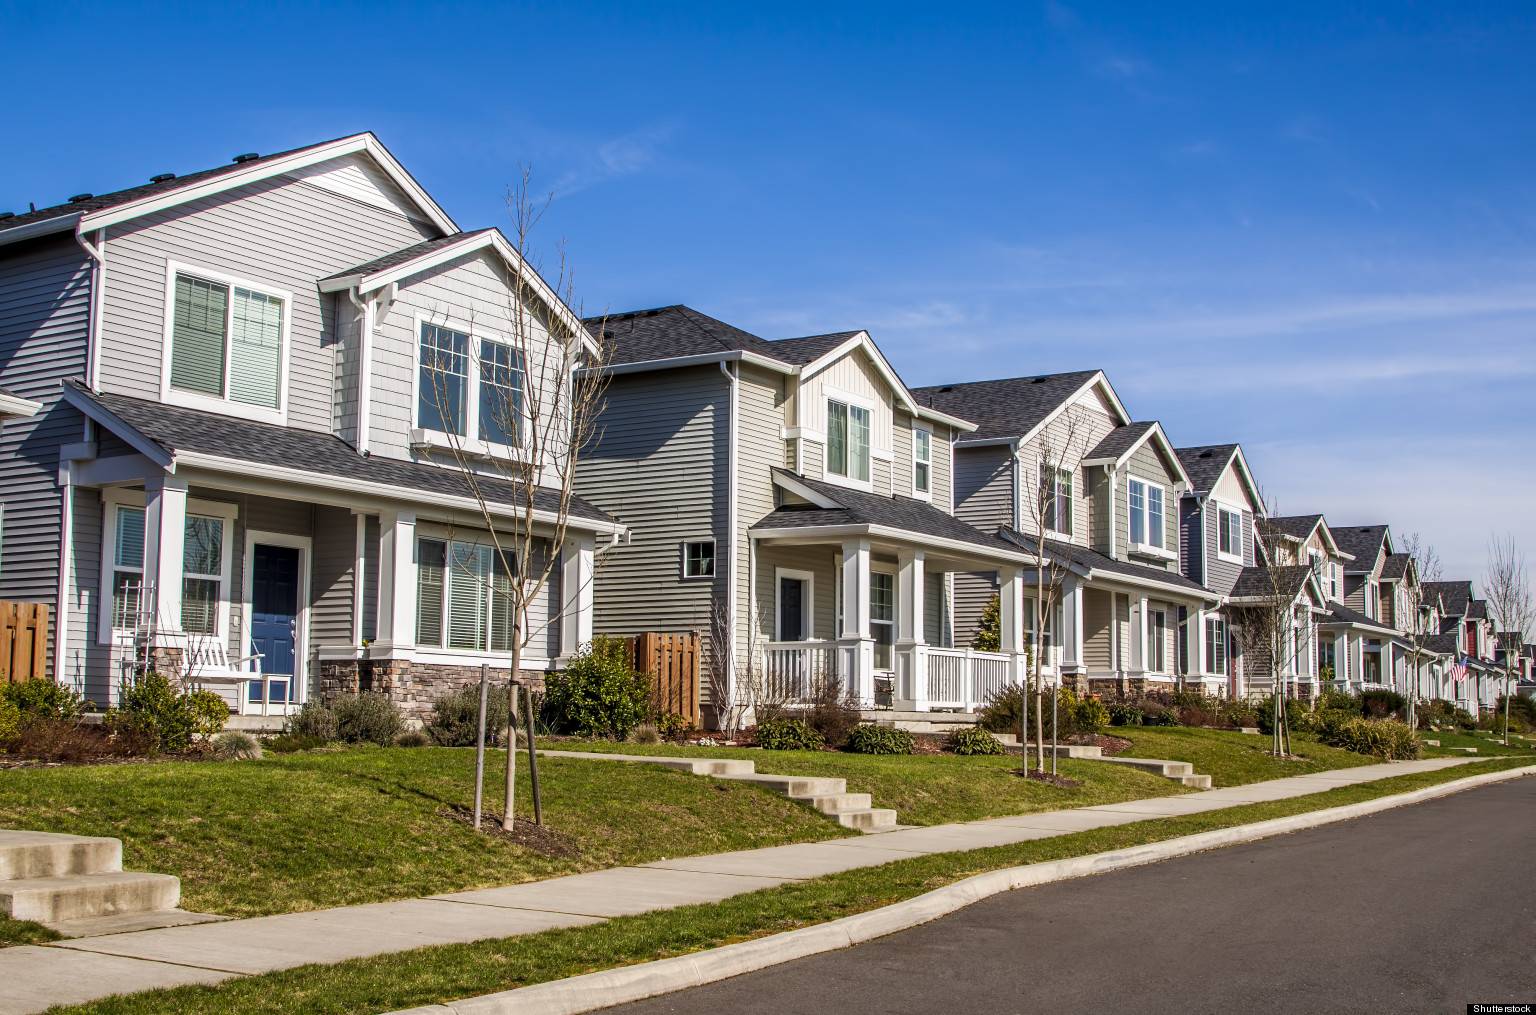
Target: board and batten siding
[45, 295]
[281, 233]
[854, 375]
[659, 467]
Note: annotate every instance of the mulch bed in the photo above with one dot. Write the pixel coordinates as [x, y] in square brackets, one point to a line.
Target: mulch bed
[539, 838]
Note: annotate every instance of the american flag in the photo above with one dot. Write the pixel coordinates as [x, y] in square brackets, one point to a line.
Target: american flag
[1458, 672]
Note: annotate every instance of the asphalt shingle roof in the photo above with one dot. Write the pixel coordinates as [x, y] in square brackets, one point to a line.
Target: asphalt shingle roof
[1003, 408]
[638, 336]
[174, 428]
[1477, 609]
[1396, 566]
[1071, 553]
[1118, 441]
[1205, 464]
[1454, 596]
[101, 202]
[859, 508]
[405, 254]
[1361, 541]
[1338, 613]
[801, 351]
[1296, 526]
[1258, 581]
[1444, 644]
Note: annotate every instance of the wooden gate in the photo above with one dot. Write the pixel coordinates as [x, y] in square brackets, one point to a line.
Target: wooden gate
[23, 641]
[672, 660]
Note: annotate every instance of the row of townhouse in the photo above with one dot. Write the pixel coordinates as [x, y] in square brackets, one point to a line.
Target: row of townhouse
[229, 399]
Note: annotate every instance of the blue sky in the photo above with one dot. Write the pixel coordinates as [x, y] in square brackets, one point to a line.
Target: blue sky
[1311, 228]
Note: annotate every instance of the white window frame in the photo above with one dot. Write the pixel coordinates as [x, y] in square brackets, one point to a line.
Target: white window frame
[918, 493]
[1157, 635]
[895, 622]
[830, 395]
[1372, 599]
[1223, 509]
[807, 605]
[1216, 641]
[116, 497]
[470, 442]
[714, 559]
[225, 405]
[448, 536]
[1055, 473]
[1152, 549]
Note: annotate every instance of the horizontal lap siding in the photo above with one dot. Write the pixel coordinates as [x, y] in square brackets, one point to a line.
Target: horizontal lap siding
[935, 616]
[760, 443]
[44, 317]
[1147, 464]
[1223, 574]
[87, 664]
[983, 479]
[659, 467]
[281, 233]
[973, 591]
[821, 562]
[1098, 654]
[332, 578]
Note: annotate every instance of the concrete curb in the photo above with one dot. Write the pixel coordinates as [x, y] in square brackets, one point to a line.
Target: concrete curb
[649, 979]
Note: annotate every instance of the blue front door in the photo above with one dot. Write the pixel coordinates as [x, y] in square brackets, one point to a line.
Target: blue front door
[274, 620]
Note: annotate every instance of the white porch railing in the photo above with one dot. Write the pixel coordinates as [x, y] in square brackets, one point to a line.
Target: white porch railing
[792, 669]
[958, 678]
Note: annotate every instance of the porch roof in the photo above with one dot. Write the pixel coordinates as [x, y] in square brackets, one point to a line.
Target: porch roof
[176, 432]
[1092, 563]
[1340, 615]
[840, 507]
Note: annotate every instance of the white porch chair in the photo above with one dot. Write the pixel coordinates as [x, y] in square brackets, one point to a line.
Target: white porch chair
[208, 663]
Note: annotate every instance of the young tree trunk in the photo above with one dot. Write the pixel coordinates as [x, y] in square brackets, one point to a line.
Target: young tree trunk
[507, 819]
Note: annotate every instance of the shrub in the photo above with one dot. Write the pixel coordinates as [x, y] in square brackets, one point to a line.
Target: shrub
[1155, 713]
[833, 713]
[673, 727]
[148, 706]
[314, 721]
[598, 694]
[455, 716]
[67, 740]
[287, 743]
[867, 738]
[1380, 738]
[1377, 704]
[787, 735]
[988, 637]
[969, 740]
[1090, 715]
[1002, 711]
[1123, 713]
[237, 746]
[645, 733]
[367, 718]
[209, 713]
[10, 721]
[40, 698]
[1240, 714]
[413, 738]
[1338, 701]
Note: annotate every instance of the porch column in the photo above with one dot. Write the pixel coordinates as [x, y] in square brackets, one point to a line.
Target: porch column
[397, 580]
[1071, 634]
[1139, 625]
[576, 558]
[359, 577]
[1012, 621]
[859, 646]
[1197, 643]
[165, 533]
[911, 646]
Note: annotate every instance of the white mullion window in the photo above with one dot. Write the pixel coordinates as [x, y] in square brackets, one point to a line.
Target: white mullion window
[206, 571]
[922, 462]
[1056, 495]
[469, 386]
[226, 344]
[1229, 534]
[464, 596]
[848, 436]
[1147, 520]
[126, 556]
[882, 617]
[1216, 645]
[202, 578]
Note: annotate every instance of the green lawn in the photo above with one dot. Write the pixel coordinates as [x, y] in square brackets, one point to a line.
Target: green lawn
[438, 974]
[319, 829]
[930, 789]
[1486, 744]
[23, 932]
[1231, 758]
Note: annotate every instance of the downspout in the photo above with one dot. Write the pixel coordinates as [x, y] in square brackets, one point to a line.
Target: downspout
[66, 565]
[364, 367]
[732, 379]
[97, 252]
[1017, 479]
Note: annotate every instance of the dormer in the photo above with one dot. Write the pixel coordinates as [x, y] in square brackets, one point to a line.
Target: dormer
[1217, 515]
[1135, 482]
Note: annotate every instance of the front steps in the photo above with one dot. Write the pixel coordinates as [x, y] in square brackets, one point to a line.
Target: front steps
[1181, 772]
[829, 796]
[76, 885]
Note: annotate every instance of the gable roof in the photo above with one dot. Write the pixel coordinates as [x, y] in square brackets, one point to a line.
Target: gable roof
[170, 434]
[1339, 614]
[1300, 528]
[1015, 408]
[1256, 583]
[1088, 561]
[1362, 542]
[1454, 596]
[96, 211]
[1122, 442]
[1396, 567]
[1205, 464]
[834, 505]
[811, 347]
[1477, 609]
[396, 259]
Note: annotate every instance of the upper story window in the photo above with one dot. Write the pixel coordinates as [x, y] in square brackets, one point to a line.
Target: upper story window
[463, 596]
[1146, 504]
[469, 393]
[1372, 600]
[699, 559]
[1229, 533]
[1056, 497]
[922, 462]
[848, 440]
[227, 344]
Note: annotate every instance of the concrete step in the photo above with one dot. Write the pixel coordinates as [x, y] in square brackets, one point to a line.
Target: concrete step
[1089, 751]
[872, 819]
[1196, 781]
[127, 923]
[840, 802]
[82, 896]
[798, 786]
[48, 854]
[725, 767]
[1166, 769]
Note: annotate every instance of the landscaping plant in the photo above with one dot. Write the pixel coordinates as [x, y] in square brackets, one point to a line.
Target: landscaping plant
[413, 738]
[237, 746]
[970, 741]
[367, 718]
[314, 723]
[834, 712]
[598, 694]
[40, 698]
[868, 738]
[455, 716]
[673, 728]
[1382, 738]
[784, 734]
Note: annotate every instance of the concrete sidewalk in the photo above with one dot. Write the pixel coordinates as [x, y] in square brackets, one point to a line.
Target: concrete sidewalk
[32, 978]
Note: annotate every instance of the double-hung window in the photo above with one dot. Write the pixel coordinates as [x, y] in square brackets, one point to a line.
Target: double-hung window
[1157, 641]
[1146, 504]
[469, 387]
[127, 566]
[225, 343]
[882, 616]
[202, 568]
[204, 573]
[1215, 645]
[463, 597]
[1229, 533]
[1056, 498]
[848, 440]
[922, 462]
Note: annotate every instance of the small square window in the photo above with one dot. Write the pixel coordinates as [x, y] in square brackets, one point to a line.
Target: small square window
[699, 559]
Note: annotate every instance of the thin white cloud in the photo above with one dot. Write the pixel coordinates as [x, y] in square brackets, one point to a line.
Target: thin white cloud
[617, 157]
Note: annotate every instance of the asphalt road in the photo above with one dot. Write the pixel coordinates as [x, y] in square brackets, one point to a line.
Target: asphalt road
[1420, 909]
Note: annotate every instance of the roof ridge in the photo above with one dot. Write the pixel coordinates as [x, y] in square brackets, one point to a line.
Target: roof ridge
[1006, 380]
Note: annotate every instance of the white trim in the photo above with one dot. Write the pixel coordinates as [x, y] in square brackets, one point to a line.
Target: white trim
[298, 689]
[1096, 380]
[1160, 548]
[826, 533]
[15, 405]
[862, 340]
[794, 486]
[699, 359]
[1170, 454]
[829, 394]
[916, 493]
[682, 564]
[1223, 506]
[733, 381]
[225, 405]
[807, 605]
[469, 442]
[359, 577]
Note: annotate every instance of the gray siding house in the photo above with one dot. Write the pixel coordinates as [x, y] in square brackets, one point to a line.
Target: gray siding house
[1058, 454]
[790, 500]
[249, 381]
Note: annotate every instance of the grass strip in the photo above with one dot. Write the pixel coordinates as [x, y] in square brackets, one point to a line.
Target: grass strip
[443, 973]
[23, 932]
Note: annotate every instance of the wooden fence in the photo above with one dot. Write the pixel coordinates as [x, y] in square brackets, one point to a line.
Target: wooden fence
[672, 660]
[23, 641]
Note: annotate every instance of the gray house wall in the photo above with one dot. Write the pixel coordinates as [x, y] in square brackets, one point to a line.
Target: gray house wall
[983, 486]
[1146, 464]
[760, 444]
